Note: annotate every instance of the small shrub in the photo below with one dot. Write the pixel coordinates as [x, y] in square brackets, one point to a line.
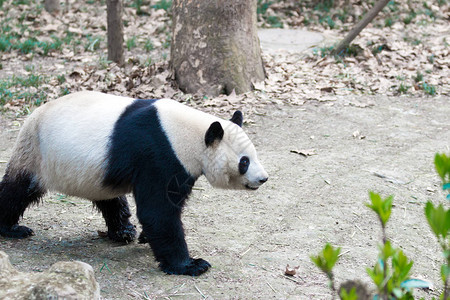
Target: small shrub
[274, 22]
[324, 5]
[391, 271]
[149, 45]
[93, 43]
[61, 78]
[5, 44]
[27, 46]
[429, 89]
[163, 4]
[419, 77]
[262, 6]
[131, 43]
[403, 88]
[388, 22]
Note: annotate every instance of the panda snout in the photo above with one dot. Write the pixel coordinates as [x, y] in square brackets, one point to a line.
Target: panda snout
[263, 180]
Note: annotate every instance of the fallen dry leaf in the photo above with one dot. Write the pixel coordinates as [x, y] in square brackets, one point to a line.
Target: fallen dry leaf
[305, 152]
[291, 271]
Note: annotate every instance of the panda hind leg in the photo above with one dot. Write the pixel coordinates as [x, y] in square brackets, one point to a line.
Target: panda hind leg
[16, 194]
[117, 214]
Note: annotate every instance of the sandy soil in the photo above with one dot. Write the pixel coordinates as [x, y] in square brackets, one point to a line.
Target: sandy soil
[378, 143]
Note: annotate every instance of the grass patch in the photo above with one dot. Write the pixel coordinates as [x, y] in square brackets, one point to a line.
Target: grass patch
[403, 88]
[148, 46]
[16, 87]
[163, 4]
[429, 89]
[92, 43]
[131, 43]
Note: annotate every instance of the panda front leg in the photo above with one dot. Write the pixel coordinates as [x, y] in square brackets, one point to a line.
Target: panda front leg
[117, 214]
[163, 229]
[16, 194]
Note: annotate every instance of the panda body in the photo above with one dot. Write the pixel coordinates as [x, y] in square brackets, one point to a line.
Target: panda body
[101, 147]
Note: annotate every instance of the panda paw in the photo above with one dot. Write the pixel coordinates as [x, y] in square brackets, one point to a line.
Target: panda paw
[124, 235]
[16, 231]
[142, 239]
[195, 267]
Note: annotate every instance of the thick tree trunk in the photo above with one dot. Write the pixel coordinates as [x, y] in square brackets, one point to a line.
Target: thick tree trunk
[115, 31]
[52, 6]
[215, 47]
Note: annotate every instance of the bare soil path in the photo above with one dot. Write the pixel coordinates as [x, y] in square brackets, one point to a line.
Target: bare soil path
[358, 144]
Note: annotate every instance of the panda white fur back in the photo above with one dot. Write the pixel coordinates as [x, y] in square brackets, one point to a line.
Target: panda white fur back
[100, 147]
[67, 165]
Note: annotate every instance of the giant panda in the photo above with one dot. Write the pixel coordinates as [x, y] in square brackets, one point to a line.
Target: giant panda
[101, 147]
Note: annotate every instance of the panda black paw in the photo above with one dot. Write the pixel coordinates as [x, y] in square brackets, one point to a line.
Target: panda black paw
[16, 231]
[195, 267]
[142, 239]
[126, 234]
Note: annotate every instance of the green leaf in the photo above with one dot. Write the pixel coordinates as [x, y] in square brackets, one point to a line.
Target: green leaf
[401, 267]
[327, 258]
[438, 218]
[446, 186]
[382, 207]
[386, 250]
[352, 295]
[442, 164]
[416, 283]
[445, 271]
[376, 273]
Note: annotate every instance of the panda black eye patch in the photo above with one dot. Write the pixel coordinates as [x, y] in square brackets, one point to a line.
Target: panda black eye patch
[243, 165]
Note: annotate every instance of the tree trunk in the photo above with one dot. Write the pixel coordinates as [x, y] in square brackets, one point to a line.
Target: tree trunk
[360, 26]
[215, 47]
[115, 31]
[52, 6]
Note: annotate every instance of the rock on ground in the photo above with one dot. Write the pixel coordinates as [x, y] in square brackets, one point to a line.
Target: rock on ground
[63, 280]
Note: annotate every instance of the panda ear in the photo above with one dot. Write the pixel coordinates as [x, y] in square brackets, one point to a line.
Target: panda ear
[214, 132]
[237, 118]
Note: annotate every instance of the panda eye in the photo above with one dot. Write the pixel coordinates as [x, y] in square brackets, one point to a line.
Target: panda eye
[243, 164]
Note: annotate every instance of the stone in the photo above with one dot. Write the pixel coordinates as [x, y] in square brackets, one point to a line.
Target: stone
[63, 280]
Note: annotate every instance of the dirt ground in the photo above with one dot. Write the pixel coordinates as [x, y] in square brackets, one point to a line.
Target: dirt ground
[373, 143]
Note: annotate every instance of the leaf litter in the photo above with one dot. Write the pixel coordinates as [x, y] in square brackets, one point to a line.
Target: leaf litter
[411, 59]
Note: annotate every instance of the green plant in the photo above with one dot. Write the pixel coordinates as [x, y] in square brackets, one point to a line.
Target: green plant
[93, 43]
[27, 46]
[29, 68]
[391, 271]
[131, 43]
[429, 89]
[325, 261]
[324, 5]
[56, 44]
[274, 22]
[439, 219]
[403, 88]
[388, 22]
[163, 4]
[61, 78]
[408, 19]
[138, 4]
[167, 42]
[64, 91]
[149, 45]
[419, 77]
[148, 62]
[262, 6]
[103, 62]
[5, 44]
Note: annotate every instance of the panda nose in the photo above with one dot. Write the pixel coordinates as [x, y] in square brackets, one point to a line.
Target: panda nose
[263, 180]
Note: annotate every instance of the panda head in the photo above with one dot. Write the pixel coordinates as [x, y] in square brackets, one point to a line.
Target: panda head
[230, 159]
